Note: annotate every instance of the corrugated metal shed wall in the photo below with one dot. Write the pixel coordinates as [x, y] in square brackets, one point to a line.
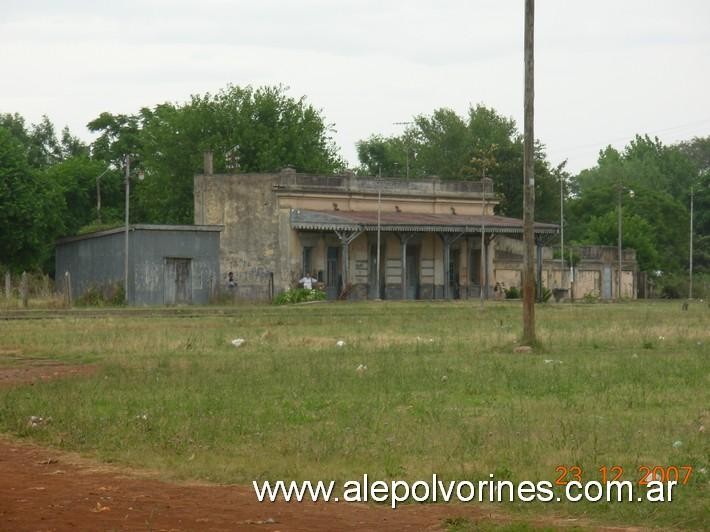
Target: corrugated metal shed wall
[97, 261]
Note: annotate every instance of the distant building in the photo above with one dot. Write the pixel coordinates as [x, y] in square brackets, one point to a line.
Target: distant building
[167, 264]
[279, 226]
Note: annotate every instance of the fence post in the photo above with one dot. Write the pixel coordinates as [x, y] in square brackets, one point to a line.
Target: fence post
[8, 285]
[45, 285]
[23, 289]
[67, 289]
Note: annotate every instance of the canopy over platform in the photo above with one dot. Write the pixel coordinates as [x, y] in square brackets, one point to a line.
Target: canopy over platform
[309, 220]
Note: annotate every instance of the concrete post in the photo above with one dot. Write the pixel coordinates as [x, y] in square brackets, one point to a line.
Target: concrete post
[8, 285]
[67, 290]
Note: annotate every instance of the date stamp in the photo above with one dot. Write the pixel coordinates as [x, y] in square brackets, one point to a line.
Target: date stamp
[644, 474]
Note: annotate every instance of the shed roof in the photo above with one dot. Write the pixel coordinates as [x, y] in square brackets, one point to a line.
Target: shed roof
[406, 221]
[142, 227]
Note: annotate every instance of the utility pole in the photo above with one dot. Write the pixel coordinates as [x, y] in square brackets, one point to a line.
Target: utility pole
[690, 255]
[484, 254]
[406, 142]
[562, 229]
[529, 180]
[618, 280]
[125, 251]
[379, 210]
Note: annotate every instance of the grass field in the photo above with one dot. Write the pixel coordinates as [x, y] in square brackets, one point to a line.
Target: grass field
[625, 384]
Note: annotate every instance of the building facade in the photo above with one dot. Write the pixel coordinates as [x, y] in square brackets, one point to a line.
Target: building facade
[437, 239]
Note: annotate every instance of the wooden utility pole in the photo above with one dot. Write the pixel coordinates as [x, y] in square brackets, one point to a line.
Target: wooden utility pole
[529, 180]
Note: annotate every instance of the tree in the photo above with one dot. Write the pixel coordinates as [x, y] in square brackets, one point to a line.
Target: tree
[454, 147]
[30, 206]
[247, 129]
[658, 176]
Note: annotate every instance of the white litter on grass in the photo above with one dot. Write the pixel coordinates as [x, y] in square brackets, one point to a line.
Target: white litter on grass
[37, 421]
[702, 470]
[677, 444]
[444, 378]
[361, 369]
[634, 355]
[661, 337]
[651, 477]
[238, 342]
[552, 361]
[340, 343]
[143, 417]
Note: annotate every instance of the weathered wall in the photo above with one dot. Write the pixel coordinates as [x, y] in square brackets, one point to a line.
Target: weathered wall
[254, 243]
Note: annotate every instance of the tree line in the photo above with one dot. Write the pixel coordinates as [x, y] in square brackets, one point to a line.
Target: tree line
[50, 182]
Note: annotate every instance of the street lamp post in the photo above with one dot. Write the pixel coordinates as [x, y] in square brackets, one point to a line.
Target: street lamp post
[407, 143]
[125, 252]
[484, 250]
[98, 194]
[379, 210]
[619, 251]
[562, 231]
[690, 254]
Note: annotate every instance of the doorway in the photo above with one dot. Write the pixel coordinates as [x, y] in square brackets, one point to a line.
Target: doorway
[333, 279]
[412, 272]
[178, 286]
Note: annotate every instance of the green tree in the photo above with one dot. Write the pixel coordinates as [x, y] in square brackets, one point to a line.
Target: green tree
[659, 176]
[637, 234]
[30, 207]
[248, 130]
[454, 147]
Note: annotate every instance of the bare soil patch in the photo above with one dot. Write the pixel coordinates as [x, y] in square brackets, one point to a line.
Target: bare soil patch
[41, 372]
[42, 489]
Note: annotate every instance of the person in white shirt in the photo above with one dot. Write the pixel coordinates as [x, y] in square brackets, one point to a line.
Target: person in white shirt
[308, 281]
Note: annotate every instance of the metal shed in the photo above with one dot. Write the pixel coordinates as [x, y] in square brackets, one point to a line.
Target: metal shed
[167, 264]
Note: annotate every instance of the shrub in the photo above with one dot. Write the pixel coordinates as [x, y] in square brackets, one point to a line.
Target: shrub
[512, 293]
[99, 296]
[590, 297]
[299, 295]
[546, 294]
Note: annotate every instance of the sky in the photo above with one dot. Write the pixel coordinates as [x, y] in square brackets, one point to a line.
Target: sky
[604, 70]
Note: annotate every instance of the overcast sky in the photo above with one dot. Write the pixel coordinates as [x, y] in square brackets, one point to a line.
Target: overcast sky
[605, 69]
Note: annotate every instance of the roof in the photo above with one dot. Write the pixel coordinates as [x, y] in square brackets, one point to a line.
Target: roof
[141, 227]
[407, 221]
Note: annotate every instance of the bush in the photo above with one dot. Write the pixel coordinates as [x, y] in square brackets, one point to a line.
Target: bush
[546, 294]
[299, 295]
[590, 297]
[512, 293]
[100, 296]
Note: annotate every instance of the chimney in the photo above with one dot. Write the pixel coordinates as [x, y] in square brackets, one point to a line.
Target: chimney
[208, 166]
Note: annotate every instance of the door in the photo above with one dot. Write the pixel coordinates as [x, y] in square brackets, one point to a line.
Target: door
[332, 272]
[606, 283]
[412, 272]
[178, 285]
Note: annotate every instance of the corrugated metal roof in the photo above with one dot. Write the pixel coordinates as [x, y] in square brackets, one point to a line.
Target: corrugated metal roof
[141, 227]
[407, 221]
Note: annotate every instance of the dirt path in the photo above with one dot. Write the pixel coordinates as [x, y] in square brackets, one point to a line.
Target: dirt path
[48, 490]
